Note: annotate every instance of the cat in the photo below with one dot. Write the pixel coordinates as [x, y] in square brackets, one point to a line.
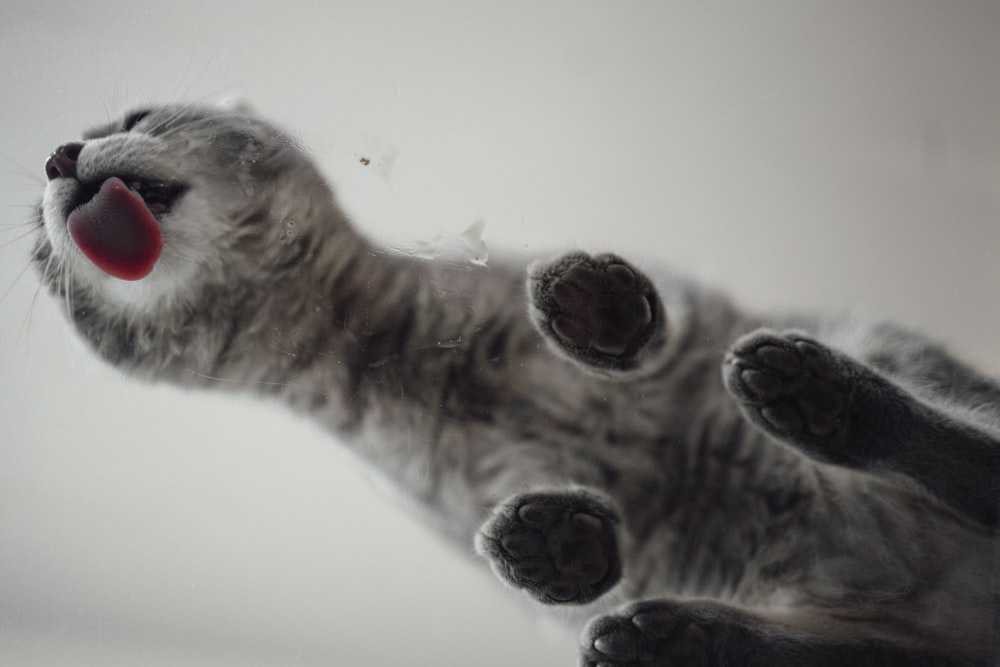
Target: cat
[680, 481]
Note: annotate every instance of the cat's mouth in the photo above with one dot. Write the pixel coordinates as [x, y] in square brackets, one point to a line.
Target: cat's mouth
[115, 223]
[158, 195]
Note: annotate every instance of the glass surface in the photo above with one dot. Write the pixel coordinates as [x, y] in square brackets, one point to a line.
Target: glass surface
[820, 155]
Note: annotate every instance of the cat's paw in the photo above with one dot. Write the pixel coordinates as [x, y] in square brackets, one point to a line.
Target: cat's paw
[561, 547]
[651, 633]
[789, 384]
[600, 311]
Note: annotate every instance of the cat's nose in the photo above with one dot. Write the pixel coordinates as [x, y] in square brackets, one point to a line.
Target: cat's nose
[62, 162]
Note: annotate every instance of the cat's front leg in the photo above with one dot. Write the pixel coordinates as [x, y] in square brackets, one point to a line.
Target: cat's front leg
[600, 312]
[561, 546]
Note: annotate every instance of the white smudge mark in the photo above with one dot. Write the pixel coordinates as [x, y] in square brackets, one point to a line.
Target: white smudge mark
[449, 343]
[467, 247]
[476, 246]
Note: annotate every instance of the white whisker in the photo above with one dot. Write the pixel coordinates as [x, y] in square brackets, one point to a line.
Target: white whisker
[19, 237]
[25, 327]
[219, 379]
[16, 280]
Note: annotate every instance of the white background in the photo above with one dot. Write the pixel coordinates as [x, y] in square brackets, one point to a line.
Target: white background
[802, 154]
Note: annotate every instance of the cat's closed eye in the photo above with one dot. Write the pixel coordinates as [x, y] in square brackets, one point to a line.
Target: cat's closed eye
[133, 119]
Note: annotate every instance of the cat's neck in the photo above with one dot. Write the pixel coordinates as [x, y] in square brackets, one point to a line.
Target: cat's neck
[358, 319]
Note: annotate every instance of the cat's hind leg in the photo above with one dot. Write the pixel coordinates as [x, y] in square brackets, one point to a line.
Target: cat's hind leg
[598, 311]
[838, 410]
[933, 372]
[667, 633]
[561, 547]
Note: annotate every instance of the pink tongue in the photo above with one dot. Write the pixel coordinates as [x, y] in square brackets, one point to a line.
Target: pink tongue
[117, 232]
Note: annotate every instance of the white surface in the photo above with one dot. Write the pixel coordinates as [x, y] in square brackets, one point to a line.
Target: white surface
[821, 155]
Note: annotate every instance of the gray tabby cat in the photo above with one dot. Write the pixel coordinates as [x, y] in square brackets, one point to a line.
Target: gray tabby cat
[687, 487]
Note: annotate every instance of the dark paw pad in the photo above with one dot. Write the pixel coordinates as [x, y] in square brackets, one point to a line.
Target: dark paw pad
[560, 547]
[789, 383]
[652, 633]
[599, 309]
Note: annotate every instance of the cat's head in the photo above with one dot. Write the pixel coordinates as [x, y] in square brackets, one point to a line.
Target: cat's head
[173, 211]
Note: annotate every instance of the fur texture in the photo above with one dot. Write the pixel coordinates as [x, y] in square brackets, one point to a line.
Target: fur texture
[686, 483]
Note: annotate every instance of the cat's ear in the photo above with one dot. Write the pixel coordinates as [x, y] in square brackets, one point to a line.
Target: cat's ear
[236, 104]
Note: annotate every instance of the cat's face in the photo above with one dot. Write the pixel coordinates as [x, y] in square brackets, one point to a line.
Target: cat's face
[141, 214]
